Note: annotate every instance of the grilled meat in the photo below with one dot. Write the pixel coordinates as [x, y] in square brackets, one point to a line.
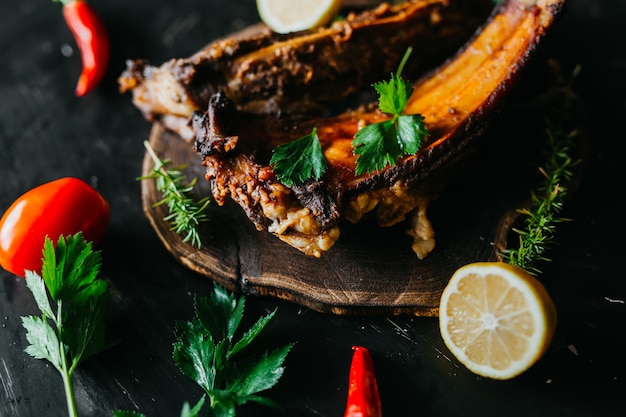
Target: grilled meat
[456, 100]
[263, 72]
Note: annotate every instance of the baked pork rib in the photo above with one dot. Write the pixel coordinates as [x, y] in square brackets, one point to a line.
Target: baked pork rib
[456, 100]
[264, 72]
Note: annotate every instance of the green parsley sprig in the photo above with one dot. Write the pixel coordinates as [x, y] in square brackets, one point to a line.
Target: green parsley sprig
[73, 303]
[381, 144]
[185, 213]
[297, 161]
[376, 145]
[210, 350]
[187, 411]
[542, 216]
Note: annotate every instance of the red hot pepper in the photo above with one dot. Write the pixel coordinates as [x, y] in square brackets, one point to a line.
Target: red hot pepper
[92, 40]
[363, 398]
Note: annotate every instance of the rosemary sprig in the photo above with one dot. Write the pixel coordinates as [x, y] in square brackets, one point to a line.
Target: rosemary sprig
[547, 200]
[185, 213]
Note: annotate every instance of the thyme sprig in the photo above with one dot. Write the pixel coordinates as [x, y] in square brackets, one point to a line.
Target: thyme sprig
[542, 216]
[185, 213]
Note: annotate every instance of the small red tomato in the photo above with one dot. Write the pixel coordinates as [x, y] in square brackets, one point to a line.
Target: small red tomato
[62, 207]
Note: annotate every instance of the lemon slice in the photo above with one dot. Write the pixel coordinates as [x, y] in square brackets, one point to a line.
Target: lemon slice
[496, 319]
[284, 16]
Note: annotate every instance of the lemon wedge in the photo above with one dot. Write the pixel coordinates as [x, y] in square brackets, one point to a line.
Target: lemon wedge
[496, 319]
[284, 16]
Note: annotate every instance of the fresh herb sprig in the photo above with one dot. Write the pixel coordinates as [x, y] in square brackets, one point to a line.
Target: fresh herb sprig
[381, 144]
[185, 213]
[208, 351]
[377, 145]
[187, 411]
[547, 200]
[73, 303]
[297, 161]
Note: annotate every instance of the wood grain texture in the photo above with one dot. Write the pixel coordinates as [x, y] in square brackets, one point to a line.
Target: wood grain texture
[370, 270]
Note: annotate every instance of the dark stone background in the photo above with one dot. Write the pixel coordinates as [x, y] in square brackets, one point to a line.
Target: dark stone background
[46, 133]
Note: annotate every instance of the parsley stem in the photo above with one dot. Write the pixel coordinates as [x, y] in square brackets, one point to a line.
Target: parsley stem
[405, 58]
[69, 389]
[66, 372]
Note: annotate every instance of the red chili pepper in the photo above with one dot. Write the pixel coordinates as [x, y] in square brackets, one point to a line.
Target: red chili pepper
[363, 398]
[92, 40]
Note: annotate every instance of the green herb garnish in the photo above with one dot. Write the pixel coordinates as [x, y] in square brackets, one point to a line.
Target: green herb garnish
[187, 411]
[381, 144]
[297, 161]
[185, 213]
[121, 413]
[73, 304]
[208, 351]
[542, 217]
[377, 145]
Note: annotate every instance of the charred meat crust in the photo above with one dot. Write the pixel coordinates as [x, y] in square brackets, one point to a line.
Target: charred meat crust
[456, 100]
[446, 144]
[246, 170]
[265, 72]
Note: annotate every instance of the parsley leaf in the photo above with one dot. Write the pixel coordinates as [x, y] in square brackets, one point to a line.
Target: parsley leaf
[299, 160]
[73, 304]
[208, 350]
[381, 144]
[187, 411]
[195, 411]
[120, 413]
[393, 94]
[376, 146]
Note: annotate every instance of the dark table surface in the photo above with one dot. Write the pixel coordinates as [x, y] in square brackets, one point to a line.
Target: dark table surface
[47, 133]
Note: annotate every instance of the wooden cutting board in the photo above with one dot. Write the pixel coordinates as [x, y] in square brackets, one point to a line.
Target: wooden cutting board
[370, 270]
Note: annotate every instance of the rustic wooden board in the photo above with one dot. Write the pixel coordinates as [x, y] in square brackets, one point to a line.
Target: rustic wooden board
[370, 270]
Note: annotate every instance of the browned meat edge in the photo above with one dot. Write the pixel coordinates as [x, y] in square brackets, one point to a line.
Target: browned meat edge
[235, 146]
[303, 72]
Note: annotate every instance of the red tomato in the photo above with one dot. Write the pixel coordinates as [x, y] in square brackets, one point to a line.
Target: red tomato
[62, 207]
